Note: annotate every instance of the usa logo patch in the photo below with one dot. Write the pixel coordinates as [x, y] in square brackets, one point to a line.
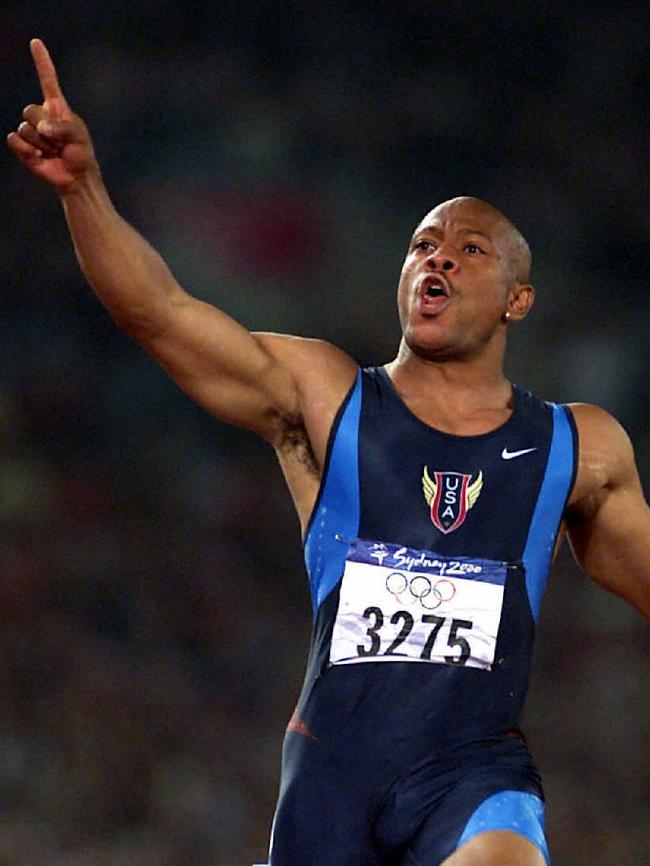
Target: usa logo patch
[450, 496]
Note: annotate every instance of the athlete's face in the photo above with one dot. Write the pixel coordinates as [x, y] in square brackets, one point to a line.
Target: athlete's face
[458, 280]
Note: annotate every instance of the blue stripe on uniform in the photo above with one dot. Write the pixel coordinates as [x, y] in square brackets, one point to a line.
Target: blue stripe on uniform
[516, 811]
[338, 508]
[544, 526]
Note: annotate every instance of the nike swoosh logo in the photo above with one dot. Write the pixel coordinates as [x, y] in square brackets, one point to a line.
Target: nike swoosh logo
[508, 455]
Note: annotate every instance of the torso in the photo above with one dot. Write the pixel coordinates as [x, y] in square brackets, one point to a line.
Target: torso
[395, 481]
[326, 376]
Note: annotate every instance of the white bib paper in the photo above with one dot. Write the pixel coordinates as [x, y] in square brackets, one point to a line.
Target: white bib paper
[400, 604]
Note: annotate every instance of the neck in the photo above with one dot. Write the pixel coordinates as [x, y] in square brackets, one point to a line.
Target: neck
[471, 382]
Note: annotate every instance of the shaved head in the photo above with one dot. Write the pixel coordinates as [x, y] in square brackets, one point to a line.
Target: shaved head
[512, 243]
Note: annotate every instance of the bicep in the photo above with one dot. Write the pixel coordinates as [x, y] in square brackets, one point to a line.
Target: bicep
[222, 366]
[611, 541]
[609, 526]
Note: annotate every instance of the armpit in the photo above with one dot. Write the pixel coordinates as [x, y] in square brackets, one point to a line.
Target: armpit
[292, 442]
[584, 509]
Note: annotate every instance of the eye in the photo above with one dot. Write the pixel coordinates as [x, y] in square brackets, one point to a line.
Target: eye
[473, 249]
[423, 245]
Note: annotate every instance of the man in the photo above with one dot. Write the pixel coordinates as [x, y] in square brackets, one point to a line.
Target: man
[432, 495]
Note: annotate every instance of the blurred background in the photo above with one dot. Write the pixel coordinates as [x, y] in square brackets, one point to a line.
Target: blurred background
[154, 613]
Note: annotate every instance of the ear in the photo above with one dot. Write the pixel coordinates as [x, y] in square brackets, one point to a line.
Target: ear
[521, 298]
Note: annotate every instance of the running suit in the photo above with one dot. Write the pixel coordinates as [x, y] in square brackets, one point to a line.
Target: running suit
[427, 556]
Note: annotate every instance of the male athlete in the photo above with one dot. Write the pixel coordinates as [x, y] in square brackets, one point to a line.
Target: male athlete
[432, 495]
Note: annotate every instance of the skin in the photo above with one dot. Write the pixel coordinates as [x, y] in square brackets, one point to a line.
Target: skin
[448, 369]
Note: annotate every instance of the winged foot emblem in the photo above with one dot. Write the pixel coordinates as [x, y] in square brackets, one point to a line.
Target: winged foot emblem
[450, 495]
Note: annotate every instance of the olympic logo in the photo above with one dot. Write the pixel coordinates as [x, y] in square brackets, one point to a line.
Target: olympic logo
[431, 593]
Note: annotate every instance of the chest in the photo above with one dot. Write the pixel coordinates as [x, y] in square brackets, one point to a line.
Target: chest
[476, 423]
[469, 495]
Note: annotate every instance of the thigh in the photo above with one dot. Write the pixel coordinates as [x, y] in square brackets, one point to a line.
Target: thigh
[497, 848]
[481, 824]
[312, 829]
[324, 811]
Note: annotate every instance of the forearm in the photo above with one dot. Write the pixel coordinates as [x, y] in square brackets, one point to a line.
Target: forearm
[212, 357]
[128, 276]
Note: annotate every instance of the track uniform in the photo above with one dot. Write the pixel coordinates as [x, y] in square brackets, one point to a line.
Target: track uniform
[427, 556]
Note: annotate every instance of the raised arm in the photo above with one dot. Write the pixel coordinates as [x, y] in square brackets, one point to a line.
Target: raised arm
[608, 520]
[249, 380]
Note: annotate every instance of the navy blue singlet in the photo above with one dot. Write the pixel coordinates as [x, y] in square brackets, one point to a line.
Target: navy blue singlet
[427, 556]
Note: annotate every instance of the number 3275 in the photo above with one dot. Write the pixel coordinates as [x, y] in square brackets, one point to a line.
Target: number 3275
[455, 641]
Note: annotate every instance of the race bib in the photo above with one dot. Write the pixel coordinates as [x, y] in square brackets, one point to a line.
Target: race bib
[401, 604]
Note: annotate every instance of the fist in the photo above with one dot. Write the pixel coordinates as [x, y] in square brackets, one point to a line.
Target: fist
[52, 141]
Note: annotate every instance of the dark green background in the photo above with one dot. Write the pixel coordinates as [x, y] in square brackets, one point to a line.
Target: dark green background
[154, 613]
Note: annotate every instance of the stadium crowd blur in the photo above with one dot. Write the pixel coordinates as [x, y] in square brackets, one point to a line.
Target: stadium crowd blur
[154, 611]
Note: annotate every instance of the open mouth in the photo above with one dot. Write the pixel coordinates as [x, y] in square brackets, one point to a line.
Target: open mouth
[435, 286]
[434, 294]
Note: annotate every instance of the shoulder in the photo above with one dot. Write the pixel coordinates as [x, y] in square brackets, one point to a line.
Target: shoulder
[304, 356]
[599, 432]
[322, 374]
[605, 453]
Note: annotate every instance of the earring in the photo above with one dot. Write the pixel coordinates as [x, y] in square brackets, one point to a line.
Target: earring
[506, 316]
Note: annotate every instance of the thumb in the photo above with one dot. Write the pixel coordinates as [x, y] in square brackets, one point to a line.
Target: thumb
[62, 131]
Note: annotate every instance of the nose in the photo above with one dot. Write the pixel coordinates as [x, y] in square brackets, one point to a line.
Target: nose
[443, 259]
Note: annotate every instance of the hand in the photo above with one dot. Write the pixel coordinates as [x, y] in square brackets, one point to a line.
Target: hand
[52, 141]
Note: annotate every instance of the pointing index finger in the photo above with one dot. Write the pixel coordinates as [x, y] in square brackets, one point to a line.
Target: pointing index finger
[46, 72]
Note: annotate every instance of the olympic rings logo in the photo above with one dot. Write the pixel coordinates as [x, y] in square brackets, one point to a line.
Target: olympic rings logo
[418, 587]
